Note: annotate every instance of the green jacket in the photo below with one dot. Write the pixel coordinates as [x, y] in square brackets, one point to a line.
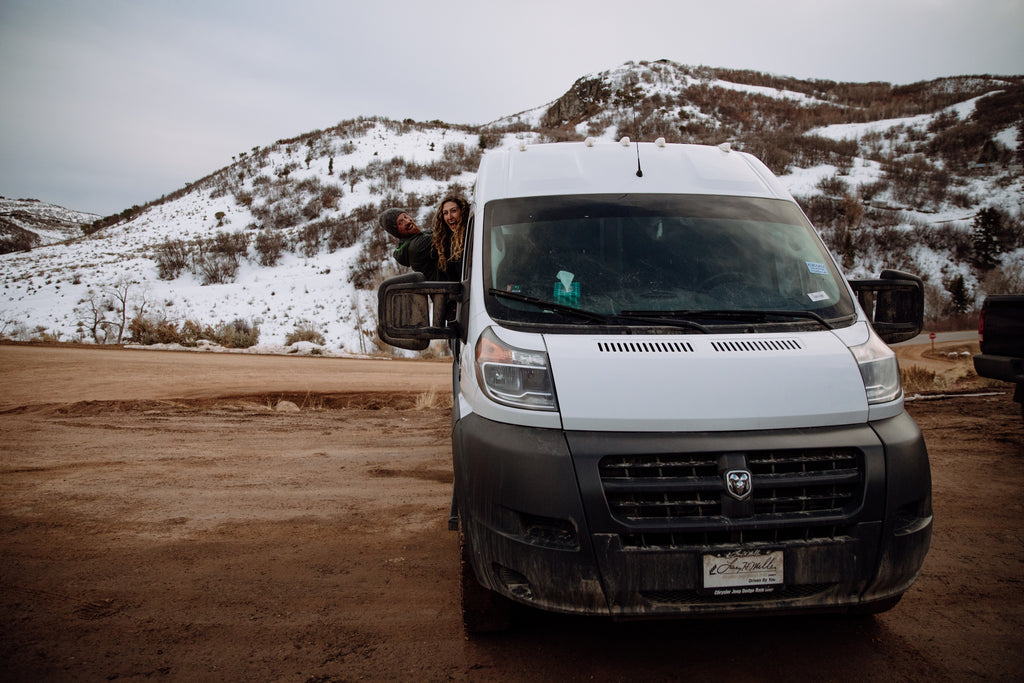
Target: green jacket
[416, 252]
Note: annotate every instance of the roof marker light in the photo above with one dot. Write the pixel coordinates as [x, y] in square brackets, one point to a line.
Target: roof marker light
[624, 142]
[660, 142]
[590, 142]
[725, 147]
[522, 146]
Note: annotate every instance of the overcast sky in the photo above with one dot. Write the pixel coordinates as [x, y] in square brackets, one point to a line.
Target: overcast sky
[109, 103]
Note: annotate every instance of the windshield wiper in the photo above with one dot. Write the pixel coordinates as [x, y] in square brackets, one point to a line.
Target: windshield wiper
[655, 319]
[740, 316]
[554, 306]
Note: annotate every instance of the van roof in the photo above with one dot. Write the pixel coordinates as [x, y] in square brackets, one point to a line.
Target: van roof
[611, 167]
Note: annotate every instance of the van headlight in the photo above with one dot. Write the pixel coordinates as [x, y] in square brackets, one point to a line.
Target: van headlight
[514, 377]
[879, 369]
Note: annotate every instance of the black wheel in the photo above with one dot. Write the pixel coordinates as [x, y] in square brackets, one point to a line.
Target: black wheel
[483, 610]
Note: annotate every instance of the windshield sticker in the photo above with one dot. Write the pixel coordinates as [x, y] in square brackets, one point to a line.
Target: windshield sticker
[816, 268]
[817, 296]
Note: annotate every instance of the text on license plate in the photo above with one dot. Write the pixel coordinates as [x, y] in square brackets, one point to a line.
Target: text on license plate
[743, 572]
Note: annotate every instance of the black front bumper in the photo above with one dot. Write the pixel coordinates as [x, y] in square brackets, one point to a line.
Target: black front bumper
[619, 523]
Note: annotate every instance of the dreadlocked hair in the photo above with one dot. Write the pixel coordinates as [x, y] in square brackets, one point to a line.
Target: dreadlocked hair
[448, 243]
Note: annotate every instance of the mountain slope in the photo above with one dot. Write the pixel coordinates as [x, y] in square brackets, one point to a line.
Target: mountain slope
[27, 223]
[285, 238]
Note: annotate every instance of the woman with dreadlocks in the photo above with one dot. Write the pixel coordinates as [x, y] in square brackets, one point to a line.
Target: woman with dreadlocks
[450, 220]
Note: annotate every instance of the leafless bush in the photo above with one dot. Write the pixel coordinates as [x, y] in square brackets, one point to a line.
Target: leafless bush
[269, 246]
[366, 270]
[216, 268]
[833, 186]
[307, 241]
[240, 334]
[304, 332]
[234, 244]
[171, 259]
[342, 233]
[147, 331]
[330, 194]
[313, 208]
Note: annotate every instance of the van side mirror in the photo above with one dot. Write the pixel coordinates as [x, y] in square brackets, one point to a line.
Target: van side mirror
[411, 311]
[894, 303]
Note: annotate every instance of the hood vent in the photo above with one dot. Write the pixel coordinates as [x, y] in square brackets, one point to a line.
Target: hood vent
[757, 345]
[644, 347]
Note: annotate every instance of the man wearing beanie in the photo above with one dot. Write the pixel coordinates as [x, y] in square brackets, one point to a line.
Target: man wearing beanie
[414, 248]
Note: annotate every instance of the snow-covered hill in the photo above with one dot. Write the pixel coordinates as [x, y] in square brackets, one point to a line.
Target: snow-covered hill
[876, 167]
[27, 223]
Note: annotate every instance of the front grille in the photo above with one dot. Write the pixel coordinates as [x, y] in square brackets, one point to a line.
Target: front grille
[796, 494]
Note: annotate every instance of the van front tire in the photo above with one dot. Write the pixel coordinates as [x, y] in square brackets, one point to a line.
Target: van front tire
[483, 610]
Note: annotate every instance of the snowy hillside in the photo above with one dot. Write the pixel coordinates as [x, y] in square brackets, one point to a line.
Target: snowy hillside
[285, 238]
[27, 223]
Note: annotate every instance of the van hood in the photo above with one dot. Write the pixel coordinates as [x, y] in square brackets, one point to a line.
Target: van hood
[705, 382]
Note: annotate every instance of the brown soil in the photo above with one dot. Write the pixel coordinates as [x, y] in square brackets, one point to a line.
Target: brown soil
[159, 518]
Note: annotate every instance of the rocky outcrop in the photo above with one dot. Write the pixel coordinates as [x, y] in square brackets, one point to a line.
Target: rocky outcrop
[586, 97]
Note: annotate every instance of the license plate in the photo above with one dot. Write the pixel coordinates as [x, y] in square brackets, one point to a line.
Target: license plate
[744, 572]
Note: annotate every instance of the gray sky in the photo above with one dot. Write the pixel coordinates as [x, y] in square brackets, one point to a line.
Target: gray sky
[109, 103]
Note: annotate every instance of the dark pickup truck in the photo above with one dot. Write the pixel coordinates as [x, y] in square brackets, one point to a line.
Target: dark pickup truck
[1002, 341]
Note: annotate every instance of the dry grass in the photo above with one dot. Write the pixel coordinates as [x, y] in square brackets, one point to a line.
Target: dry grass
[432, 399]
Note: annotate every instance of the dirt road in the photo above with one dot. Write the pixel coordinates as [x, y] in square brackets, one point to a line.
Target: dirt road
[159, 518]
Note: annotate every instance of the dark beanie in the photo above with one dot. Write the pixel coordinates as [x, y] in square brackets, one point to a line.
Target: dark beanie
[389, 220]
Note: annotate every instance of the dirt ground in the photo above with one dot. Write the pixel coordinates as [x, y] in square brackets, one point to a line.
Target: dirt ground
[159, 518]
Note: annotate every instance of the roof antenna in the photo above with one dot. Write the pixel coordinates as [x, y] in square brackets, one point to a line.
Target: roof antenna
[639, 171]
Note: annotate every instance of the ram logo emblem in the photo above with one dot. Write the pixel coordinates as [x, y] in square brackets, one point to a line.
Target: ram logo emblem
[738, 484]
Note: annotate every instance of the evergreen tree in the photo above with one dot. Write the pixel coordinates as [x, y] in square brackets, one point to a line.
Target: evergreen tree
[987, 238]
[960, 299]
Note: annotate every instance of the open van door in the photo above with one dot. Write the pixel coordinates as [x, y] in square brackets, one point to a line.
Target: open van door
[894, 303]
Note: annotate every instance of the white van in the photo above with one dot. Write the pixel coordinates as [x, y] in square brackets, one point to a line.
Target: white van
[667, 398]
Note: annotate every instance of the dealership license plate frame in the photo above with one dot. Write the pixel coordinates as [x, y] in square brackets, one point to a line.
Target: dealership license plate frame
[743, 572]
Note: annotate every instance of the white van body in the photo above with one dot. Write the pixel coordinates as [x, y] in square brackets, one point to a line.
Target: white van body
[686, 412]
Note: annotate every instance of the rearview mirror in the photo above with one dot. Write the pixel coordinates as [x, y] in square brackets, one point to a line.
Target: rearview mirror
[411, 311]
[894, 303]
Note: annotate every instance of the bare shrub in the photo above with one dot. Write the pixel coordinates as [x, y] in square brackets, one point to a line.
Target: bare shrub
[147, 331]
[342, 233]
[244, 197]
[366, 270]
[230, 243]
[304, 332]
[313, 208]
[240, 334]
[269, 246]
[366, 213]
[283, 216]
[192, 332]
[308, 239]
[216, 268]
[171, 258]
[330, 194]
[833, 186]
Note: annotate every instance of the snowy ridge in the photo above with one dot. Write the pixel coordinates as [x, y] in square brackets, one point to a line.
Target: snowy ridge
[321, 192]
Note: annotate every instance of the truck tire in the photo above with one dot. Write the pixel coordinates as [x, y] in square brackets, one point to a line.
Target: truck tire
[483, 610]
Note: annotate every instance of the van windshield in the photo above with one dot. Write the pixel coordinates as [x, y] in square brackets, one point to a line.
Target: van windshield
[715, 260]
